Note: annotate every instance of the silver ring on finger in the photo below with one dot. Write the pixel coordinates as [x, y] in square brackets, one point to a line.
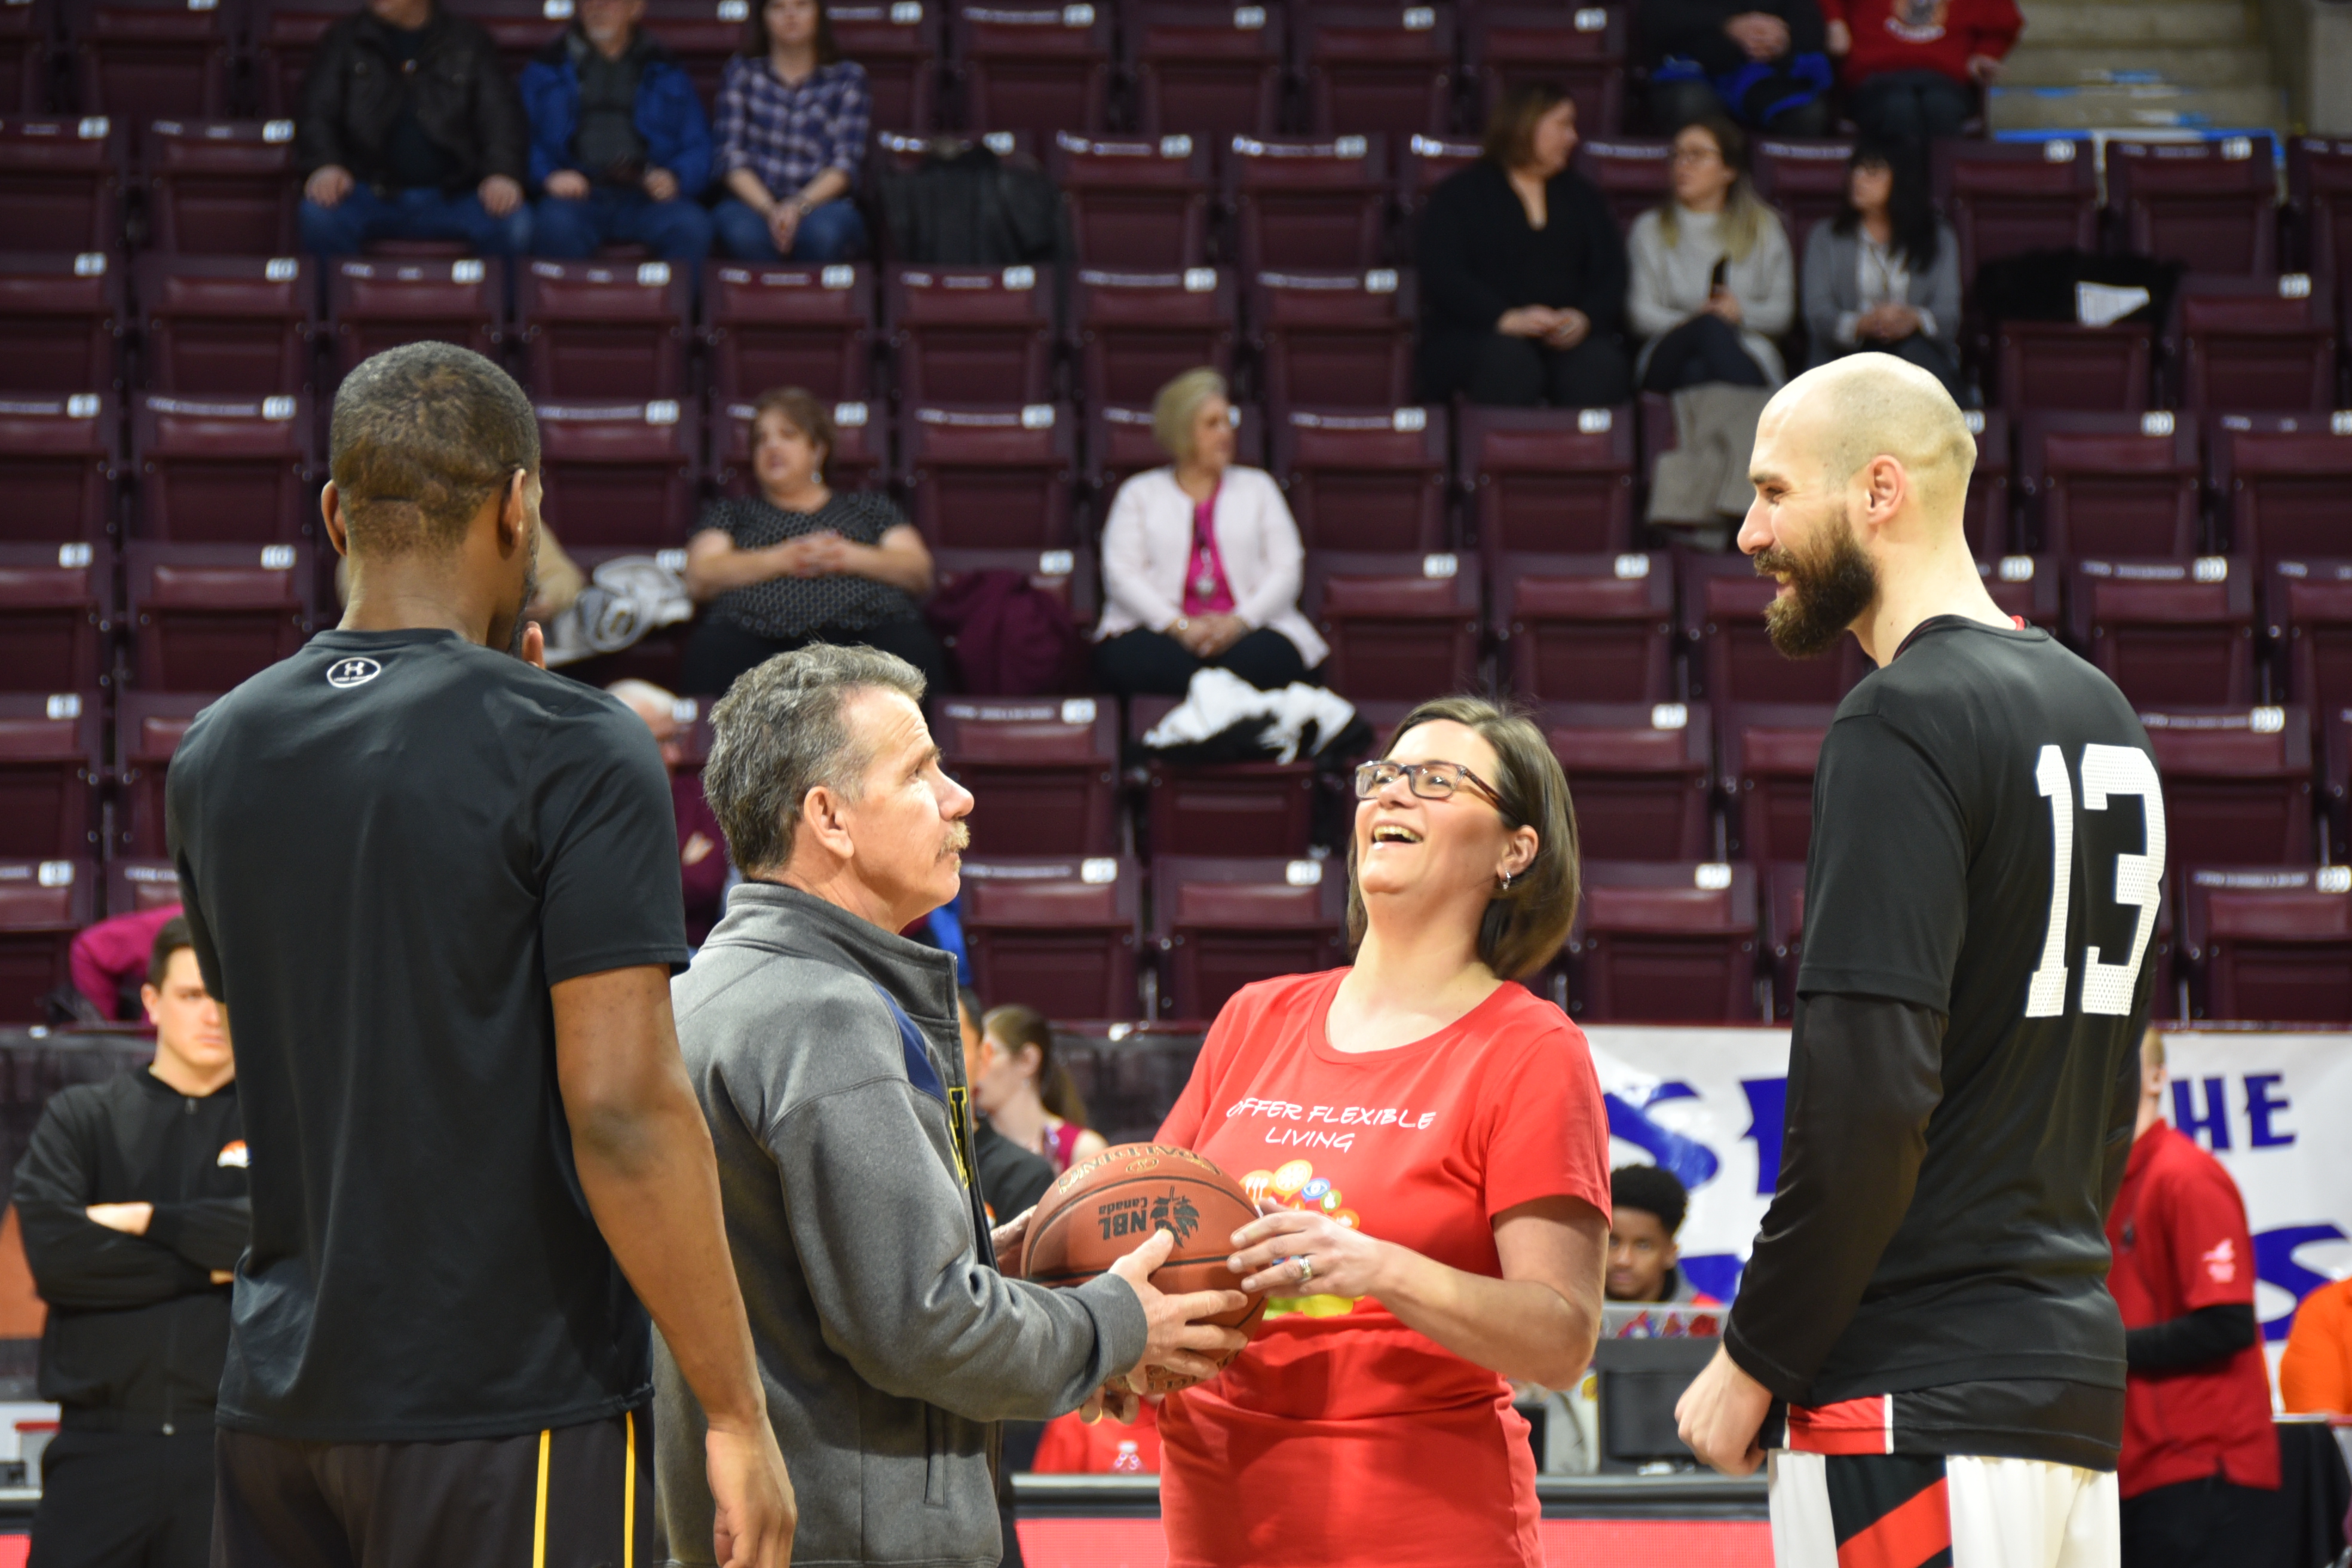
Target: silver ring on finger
[1305, 1267]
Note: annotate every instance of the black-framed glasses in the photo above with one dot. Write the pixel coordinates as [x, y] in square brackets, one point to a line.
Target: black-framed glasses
[1430, 781]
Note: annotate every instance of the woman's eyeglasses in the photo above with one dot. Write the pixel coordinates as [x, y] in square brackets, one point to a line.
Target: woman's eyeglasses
[1430, 781]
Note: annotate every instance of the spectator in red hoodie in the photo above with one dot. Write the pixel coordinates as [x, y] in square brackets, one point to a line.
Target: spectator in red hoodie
[115, 953]
[701, 847]
[1911, 66]
[2198, 1451]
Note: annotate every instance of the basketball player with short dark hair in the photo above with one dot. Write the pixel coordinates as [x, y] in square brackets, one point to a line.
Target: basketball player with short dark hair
[437, 890]
[1924, 1340]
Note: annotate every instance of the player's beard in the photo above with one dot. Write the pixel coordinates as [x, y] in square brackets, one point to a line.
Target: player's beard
[1826, 594]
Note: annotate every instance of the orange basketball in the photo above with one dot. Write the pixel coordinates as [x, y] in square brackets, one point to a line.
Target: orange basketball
[1106, 1207]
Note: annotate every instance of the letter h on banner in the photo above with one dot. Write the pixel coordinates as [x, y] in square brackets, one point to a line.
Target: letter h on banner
[2215, 1122]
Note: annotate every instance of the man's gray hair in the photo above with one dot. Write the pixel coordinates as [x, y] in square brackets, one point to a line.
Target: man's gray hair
[779, 732]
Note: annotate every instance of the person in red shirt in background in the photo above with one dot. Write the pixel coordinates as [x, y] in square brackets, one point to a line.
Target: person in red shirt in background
[701, 847]
[114, 952]
[1910, 66]
[2199, 1448]
[1072, 1446]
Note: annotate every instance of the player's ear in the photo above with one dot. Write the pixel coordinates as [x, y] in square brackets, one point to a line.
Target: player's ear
[1886, 485]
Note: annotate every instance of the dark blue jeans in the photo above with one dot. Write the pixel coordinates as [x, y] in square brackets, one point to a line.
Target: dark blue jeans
[563, 230]
[833, 232]
[412, 213]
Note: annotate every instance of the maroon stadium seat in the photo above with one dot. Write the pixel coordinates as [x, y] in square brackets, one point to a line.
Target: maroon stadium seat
[24, 41]
[1783, 900]
[787, 325]
[1424, 164]
[286, 33]
[1045, 771]
[1333, 340]
[135, 887]
[1586, 628]
[2336, 729]
[2006, 198]
[1368, 480]
[1732, 656]
[1234, 808]
[2273, 943]
[1136, 202]
[1805, 180]
[1136, 331]
[1034, 67]
[1579, 49]
[899, 43]
[1401, 626]
[59, 459]
[222, 187]
[621, 473]
[1388, 68]
[2112, 485]
[1550, 479]
[1765, 755]
[1069, 576]
[2170, 633]
[49, 751]
[143, 59]
[2280, 482]
[2254, 345]
[148, 726]
[860, 459]
[380, 304]
[1058, 932]
[520, 28]
[2026, 588]
[2237, 784]
[1986, 519]
[224, 471]
[1120, 445]
[2044, 365]
[904, 152]
[1631, 172]
[42, 904]
[226, 324]
[61, 182]
[57, 610]
[703, 35]
[2319, 196]
[61, 321]
[1225, 921]
[1665, 944]
[1309, 203]
[972, 334]
[2307, 605]
[205, 616]
[1210, 71]
[989, 478]
[597, 328]
[1641, 777]
[2211, 206]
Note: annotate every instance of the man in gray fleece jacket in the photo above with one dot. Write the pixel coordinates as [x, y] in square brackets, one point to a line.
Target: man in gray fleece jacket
[826, 1050]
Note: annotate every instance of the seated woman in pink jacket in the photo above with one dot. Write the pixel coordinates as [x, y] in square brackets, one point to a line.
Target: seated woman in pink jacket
[1200, 561]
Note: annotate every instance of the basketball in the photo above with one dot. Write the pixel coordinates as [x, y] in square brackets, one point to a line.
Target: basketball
[1106, 1207]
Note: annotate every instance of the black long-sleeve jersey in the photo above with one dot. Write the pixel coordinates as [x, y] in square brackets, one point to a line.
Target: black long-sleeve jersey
[137, 1329]
[1987, 854]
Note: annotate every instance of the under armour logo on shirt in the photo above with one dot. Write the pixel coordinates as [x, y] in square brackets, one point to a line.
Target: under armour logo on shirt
[346, 673]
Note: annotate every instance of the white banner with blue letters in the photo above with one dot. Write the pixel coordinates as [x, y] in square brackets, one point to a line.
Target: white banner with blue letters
[2276, 1109]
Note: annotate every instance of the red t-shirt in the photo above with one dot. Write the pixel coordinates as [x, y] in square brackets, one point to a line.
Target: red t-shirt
[1922, 34]
[1342, 1438]
[1108, 1447]
[2181, 1242]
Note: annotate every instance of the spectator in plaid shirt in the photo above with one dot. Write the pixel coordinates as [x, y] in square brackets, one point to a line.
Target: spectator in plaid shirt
[792, 116]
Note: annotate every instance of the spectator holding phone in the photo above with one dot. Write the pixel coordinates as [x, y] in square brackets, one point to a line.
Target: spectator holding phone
[792, 120]
[1713, 284]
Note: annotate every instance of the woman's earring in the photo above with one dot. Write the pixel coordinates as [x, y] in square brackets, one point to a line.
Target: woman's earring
[1507, 882]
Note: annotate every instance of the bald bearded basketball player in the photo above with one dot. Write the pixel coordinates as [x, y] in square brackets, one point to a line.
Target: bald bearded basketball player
[1922, 1348]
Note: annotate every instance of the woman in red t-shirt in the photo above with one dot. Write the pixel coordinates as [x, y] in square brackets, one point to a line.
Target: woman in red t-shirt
[1430, 1145]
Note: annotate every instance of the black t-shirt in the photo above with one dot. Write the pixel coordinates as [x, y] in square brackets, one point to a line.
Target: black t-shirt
[790, 608]
[392, 843]
[1963, 1069]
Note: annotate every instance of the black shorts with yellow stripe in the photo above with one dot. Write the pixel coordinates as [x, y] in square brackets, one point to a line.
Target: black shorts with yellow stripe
[574, 1496]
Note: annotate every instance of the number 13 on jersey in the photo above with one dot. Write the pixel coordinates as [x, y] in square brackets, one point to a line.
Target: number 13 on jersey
[2106, 770]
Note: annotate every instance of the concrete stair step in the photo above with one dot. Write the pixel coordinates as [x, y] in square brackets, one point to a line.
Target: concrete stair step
[2212, 65]
[2100, 22]
[2135, 108]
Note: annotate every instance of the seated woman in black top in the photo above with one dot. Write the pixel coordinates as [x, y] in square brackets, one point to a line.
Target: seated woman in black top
[1522, 272]
[798, 563]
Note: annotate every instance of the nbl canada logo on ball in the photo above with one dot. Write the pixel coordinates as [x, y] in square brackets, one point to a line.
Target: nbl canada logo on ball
[346, 673]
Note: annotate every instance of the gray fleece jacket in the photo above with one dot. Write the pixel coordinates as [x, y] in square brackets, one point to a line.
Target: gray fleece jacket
[888, 1341]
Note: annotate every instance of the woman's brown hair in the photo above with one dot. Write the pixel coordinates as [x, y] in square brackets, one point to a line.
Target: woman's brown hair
[1511, 123]
[755, 35]
[1527, 923]
[803, 411]
[1017, 1029]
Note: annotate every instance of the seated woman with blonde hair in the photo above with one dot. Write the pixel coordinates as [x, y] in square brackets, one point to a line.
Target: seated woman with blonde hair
[1201, 560]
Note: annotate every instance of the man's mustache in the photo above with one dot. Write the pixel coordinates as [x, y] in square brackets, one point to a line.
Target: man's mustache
[959, 839]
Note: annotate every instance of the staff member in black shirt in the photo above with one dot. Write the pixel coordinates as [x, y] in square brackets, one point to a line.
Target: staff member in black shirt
[133, 1202]
[1924, 1315]
[1522, 269]
[437, 890]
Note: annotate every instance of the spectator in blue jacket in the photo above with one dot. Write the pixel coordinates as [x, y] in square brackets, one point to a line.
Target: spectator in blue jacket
[618, 142]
